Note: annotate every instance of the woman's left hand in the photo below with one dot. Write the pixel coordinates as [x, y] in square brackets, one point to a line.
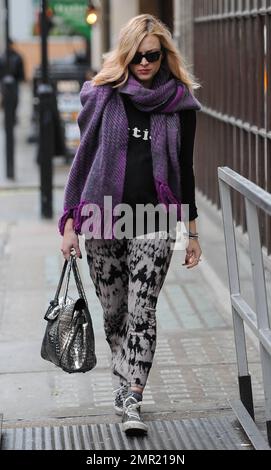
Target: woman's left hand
[193, 252]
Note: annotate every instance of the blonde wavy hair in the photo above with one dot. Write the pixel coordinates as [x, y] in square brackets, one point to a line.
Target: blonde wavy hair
[115, 67]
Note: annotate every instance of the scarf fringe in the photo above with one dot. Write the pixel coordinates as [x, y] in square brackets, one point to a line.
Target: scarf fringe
[166, 197]
[79, 218]
[164, 194]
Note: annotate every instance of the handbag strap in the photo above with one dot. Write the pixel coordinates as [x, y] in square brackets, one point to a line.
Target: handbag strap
[78, 280]
[81, 290]
[70, 263]
[60, 282]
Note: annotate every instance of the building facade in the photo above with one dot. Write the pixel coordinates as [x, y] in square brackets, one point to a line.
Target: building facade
[113, 14]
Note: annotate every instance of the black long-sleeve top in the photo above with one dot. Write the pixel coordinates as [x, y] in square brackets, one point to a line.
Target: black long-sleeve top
[139, 187]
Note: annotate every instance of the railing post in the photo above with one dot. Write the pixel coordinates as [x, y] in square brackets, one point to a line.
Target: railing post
[260, 301]
[9, 100]
[46, 137]
[9, 93]
[244, 378]
[46, 149]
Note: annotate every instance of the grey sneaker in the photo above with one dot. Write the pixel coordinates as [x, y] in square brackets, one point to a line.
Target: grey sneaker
[120, 395]
[132, 422]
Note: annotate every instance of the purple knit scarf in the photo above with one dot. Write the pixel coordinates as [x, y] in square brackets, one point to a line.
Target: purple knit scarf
[98, 168]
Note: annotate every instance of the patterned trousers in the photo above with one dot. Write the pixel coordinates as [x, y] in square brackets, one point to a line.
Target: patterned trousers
[128, 275]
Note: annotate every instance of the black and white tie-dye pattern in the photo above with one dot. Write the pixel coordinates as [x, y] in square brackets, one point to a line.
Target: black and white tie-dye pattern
[128, 275]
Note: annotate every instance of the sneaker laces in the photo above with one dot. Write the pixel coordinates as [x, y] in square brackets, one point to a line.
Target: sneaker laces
[132, 408]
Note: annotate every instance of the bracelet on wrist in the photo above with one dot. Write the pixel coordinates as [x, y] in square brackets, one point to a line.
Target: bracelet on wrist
[193, 235]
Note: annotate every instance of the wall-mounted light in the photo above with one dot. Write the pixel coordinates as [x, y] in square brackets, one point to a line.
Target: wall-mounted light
[91, 15]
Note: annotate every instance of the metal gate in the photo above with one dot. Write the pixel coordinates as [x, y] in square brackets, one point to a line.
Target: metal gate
[232, 59]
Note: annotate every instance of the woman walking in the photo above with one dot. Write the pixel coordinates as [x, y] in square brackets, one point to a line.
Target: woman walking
[137, 129]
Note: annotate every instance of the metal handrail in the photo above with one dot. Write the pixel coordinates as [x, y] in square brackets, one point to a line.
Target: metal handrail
[258, 321]
[247, 188]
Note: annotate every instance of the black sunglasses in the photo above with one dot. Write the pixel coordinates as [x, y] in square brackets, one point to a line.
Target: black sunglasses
[149, 56]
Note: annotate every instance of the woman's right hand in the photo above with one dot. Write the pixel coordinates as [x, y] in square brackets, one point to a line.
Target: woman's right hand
[70, 241]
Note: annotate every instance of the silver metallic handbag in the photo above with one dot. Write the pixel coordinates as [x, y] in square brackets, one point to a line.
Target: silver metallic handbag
[69, 340]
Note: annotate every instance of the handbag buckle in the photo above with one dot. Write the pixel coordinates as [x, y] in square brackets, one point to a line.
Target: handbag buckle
[52, 311]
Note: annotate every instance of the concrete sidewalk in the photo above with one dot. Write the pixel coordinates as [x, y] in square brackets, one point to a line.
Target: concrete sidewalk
[194, 372]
